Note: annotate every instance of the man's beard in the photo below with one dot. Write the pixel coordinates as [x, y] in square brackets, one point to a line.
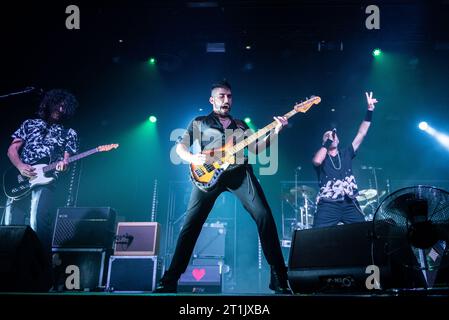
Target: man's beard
[56, 117]
[224, 110]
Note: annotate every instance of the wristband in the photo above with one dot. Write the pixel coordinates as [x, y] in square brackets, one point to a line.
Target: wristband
[369, 115]
[327, 143]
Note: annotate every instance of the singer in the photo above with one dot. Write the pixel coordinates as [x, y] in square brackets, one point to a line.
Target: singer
[338, 188]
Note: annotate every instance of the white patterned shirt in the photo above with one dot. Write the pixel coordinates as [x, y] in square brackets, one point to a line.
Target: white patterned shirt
[43, 140]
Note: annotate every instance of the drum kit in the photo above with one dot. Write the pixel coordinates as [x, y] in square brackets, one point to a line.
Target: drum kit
[369, 200]
[303, 199]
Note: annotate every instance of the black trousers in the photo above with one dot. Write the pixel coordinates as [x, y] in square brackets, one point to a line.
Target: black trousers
[242, 183]
[40, 208]
[330, 213]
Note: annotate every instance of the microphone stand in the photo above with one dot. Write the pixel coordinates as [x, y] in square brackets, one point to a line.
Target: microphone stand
[296, 198]
[26, 90]
[375, 184]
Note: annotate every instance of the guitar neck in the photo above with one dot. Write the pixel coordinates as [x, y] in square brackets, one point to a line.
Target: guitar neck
[260, 133]
[77, 157]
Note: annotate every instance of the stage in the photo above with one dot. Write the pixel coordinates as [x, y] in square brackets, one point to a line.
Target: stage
[223, 148]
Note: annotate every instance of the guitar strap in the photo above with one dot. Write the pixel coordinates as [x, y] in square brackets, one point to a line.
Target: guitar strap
[65, 134]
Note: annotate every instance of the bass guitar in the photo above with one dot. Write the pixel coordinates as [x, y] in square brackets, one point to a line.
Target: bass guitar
[206, 176]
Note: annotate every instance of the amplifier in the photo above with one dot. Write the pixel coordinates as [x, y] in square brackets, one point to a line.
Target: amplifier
[84, 228]
[133, 273]
[137, 239]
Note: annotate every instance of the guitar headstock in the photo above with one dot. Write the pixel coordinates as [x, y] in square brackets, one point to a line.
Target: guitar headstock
[107, 147]
[306, 105]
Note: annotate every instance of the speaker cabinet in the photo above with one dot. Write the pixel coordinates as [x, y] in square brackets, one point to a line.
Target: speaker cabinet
[24, 265]
[335, 258]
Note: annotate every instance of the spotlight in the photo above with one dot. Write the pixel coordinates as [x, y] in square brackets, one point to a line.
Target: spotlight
[423, 125]
[152, 60]
[247, 120]
[439, 136]
[152, 119]
[377, 52]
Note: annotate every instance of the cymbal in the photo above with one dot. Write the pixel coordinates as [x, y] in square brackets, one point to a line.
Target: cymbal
[303, 191]
[366, 194]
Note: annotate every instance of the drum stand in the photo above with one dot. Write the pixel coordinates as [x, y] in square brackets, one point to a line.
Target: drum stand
[305, 223]
[304, 218]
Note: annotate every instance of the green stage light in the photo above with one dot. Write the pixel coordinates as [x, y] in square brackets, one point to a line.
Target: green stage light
[377, 52]
[248, 120]
[152, 61]
[152, 119]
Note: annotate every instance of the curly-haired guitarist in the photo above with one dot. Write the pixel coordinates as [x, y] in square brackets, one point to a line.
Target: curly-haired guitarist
[35, 140]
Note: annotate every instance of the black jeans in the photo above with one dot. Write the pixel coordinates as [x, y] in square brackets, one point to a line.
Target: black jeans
[243, 183]
[41, 210]
[330, 213]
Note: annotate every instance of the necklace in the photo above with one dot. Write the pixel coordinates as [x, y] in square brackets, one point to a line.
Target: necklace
[339, 161]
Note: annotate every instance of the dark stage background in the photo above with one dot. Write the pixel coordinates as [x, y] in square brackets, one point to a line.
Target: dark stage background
[105, 64]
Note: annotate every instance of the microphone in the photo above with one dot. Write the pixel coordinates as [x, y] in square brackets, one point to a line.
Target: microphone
[334, 131]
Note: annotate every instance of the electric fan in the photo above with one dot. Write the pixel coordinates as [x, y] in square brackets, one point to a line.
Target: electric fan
[412, 225]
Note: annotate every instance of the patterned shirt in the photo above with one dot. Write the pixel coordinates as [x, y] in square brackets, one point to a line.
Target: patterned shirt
[42, 140]
[335, 176]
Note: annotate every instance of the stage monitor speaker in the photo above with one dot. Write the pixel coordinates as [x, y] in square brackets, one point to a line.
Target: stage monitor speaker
[334, 259]
[201, 279]
[24, 265]
[84, 228]
[211, 242]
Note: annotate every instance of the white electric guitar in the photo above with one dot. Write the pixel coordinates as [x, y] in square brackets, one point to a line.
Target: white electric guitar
[16, 185]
